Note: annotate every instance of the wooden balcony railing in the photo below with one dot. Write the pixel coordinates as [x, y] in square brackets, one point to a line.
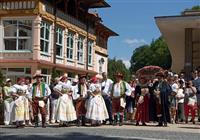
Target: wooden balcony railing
[17, 4]
[68, 18]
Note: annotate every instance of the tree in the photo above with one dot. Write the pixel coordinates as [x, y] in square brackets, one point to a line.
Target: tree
[1, 78]
[117, 66]
[157, 53]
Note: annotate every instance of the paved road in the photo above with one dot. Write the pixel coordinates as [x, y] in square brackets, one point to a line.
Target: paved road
[178, 132]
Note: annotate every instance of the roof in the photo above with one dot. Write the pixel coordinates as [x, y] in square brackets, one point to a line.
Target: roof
[95, 3]
[107, 30]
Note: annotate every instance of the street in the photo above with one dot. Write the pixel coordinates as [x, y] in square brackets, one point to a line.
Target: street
[178, 132]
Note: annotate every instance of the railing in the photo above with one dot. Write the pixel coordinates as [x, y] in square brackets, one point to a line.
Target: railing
[68, 18]
[17, 5]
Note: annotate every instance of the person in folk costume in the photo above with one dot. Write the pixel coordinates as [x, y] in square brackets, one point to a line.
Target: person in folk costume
[142, 96]
[39, 93]
[121, 89]
[180, 102]
[196, 83]
[130, 101]
[190, 101]
[53, 99]
[27, 86]
[96, 108]
[162, 91]
[21, 103]
[106, 89]
[8, 101]
[172, 99]
[74, 89]
[80, 99]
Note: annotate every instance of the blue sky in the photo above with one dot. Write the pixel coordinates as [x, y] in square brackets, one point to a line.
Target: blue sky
[134, 21]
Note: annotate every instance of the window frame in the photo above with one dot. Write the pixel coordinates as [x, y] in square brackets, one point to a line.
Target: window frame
[80, 51]
[69, 46]
[59, 31]
[90, 53]
[17, 37]
[47, 26]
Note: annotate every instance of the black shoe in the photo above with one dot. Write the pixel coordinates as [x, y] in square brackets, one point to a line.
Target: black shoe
[144, 124]
[137, 123]
[165, 124]
[115, 120]
[44, 125]
[198, 119]
[104, 122]
[78, 123]
[159, 124]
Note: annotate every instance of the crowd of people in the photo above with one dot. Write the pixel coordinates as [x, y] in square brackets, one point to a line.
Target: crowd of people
[166, 98]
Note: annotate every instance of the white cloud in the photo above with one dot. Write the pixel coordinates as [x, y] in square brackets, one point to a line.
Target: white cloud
[135, 42]
[126, 63]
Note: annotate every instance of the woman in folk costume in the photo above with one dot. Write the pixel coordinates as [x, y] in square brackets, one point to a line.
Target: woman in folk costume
[130, 102]
[96, 108]
[121, 89]
[8, 101]
[162, 91]
[142, 95]
[65, 109]
[39, 94]
[80, 99]
[21, 106]
[190, 101]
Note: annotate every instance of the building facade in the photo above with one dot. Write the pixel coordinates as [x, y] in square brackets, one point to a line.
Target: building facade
[182, 34]
[47, 34]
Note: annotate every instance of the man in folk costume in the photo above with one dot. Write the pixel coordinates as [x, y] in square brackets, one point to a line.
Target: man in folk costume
[39, 94]
[54, 99]
[80, 100]
[65, 108]
[121, 89]
[21, 106]
[106, 86]
[8, 101]
[162, 91]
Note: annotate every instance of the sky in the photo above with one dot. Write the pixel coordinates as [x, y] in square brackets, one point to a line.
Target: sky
[134, 21]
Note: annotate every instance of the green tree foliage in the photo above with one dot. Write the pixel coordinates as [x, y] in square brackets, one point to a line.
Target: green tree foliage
[117, 66]
[1, 78]
[157, 53]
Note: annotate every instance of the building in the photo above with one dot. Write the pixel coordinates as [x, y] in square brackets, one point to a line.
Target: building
[29, 30]
[182, 34]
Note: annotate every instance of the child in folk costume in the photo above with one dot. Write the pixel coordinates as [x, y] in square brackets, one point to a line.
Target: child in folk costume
[65, 109]
[21, 105]
[80, 97]
[121, 89]
[39, 94]
[96, 108]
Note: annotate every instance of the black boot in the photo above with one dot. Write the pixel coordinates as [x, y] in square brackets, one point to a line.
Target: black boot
[83, 120]
[36, 121]
[160, 123]
[78, 122]
[121, 120]
[115, 120]
[44, 122]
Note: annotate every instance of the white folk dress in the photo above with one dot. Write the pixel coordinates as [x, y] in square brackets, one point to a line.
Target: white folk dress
[65, 110]
[21, 105]
[96, 108]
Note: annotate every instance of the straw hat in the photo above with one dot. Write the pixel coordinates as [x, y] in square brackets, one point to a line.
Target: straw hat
[37, 74]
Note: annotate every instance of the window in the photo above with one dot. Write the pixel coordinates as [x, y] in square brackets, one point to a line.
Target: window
[90, 46]
[80, 50]
[70, 44]
[59, 42]
[17, 34]
[45, 37]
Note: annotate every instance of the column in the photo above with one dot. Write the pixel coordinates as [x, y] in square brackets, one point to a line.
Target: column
[188, 52]
[36, 38]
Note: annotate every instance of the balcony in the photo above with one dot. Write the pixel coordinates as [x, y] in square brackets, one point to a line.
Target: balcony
[49, 9]
[17, 5]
